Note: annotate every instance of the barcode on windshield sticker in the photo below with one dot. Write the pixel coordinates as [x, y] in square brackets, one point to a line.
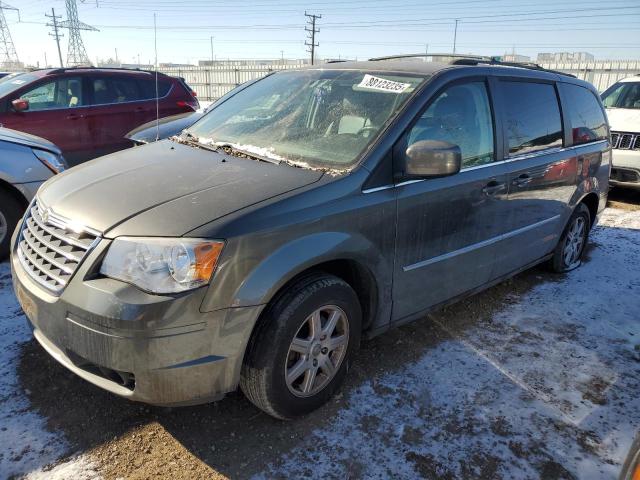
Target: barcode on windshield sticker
[377, 83]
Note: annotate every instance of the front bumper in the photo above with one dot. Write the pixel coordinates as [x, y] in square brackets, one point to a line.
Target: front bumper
[625, 171]
[156, 349]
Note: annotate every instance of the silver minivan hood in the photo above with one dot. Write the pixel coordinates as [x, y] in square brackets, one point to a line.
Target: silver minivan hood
[178, 187]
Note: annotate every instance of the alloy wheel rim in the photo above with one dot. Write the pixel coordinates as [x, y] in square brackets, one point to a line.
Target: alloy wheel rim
[574, 243]
[317, 351]
[3, 227]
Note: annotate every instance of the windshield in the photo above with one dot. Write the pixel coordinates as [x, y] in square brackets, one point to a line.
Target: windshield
[315, 118]
[13, 82]
[622, 95]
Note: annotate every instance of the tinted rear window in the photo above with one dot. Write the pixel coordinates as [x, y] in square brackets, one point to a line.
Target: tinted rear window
[148, 87]
[587, 120]
[532, 116]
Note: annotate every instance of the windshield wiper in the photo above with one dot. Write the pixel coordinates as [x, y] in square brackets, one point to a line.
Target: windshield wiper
[190, 139]
[242, 154]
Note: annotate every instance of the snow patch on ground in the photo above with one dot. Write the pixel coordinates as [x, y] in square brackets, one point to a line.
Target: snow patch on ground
[26, 444]
[548, 388]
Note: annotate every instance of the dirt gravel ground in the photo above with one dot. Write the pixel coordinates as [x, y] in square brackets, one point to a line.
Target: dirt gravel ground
[537, 377]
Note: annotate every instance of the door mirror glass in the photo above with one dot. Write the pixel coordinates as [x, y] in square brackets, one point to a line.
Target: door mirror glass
[432, 158]
[20, 105]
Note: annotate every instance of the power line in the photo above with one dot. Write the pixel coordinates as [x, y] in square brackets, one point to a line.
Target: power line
[311, 34]
[54, 23]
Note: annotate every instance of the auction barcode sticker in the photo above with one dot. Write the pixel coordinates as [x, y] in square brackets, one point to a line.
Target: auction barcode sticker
[377, 83]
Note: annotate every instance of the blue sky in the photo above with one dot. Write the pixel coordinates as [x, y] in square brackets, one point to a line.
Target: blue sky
[348, 28]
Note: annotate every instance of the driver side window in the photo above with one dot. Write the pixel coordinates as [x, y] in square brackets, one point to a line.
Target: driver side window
[61, 93]
[461, 115]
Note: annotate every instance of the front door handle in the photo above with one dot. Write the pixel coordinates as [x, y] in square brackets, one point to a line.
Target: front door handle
[74, 116]
[494, 187]
[522, 180]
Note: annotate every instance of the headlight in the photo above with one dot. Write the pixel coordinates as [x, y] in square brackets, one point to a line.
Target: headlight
[162, 265]
[54, 162]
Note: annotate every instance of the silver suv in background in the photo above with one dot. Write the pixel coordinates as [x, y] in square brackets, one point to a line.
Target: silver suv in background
[311, 208]
[622, 101]
[26, 161]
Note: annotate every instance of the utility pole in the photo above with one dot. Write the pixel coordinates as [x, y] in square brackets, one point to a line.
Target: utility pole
[56, 34]
[311, 34]
[8, 55]
[211, 38]
[455, 35]
[117, 61]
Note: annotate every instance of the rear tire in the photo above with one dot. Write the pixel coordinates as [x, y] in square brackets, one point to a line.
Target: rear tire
[300, 353]
[570, 248]
[10, 212]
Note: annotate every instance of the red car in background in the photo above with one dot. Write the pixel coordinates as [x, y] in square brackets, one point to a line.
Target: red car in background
[88, 111]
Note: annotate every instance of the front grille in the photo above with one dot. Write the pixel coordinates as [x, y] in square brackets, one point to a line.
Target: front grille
[50, 248]
[624, 175]
[625, 141]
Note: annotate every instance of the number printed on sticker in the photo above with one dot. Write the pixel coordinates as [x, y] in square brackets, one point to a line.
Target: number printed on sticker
[382, 84]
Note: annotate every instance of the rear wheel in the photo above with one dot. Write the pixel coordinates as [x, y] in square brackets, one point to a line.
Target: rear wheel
[10, 212]
[570, 248]
[300, 353]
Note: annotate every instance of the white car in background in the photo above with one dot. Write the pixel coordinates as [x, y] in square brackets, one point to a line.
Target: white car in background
[622, 101]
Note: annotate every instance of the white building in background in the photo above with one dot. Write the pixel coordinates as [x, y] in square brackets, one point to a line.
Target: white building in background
[565, 57]
[514, 57]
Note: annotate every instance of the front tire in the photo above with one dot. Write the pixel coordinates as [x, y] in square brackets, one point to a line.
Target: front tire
[570, 248]
[302, 349]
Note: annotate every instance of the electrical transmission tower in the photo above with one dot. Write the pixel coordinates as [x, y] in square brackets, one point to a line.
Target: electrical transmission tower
[311, 34]
[76, 53]
[8, 56]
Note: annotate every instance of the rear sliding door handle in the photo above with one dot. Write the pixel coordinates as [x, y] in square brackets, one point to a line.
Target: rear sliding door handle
[74, 116]
[522, 180]
[494, 187]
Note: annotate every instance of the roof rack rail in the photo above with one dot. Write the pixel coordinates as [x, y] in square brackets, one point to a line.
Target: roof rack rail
[496, 61]
[55, 71]
[462, 59]
[427, 55]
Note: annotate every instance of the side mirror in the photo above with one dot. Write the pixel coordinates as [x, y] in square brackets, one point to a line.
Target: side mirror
[20, 105]
[432, 158]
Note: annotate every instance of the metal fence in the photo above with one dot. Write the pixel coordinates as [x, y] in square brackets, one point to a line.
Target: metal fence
[212, 82]
[602, 74]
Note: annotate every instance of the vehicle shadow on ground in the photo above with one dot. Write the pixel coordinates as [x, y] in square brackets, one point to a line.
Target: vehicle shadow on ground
[232, 437]
[625, 198]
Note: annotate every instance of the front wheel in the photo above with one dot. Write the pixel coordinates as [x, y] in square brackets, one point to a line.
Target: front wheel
[301, 351]
[570, 248]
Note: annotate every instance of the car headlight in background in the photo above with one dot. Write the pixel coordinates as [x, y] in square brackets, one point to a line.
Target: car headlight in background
[53, 162]
[162, 265]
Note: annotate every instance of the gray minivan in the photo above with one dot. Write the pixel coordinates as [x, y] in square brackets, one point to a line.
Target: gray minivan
[308, 210]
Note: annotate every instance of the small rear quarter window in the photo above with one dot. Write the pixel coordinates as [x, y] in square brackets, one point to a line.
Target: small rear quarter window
[587, 120]
[148, 87]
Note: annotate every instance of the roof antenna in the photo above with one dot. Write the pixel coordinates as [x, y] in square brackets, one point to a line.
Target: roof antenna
[155, 47]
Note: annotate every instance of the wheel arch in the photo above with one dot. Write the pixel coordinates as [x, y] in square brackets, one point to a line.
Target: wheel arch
[14, 192]
[591, 200]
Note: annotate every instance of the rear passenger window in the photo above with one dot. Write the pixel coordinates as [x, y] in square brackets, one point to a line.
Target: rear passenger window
[461, 115]
[585, 115]
[532, 116]
[110, 90]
